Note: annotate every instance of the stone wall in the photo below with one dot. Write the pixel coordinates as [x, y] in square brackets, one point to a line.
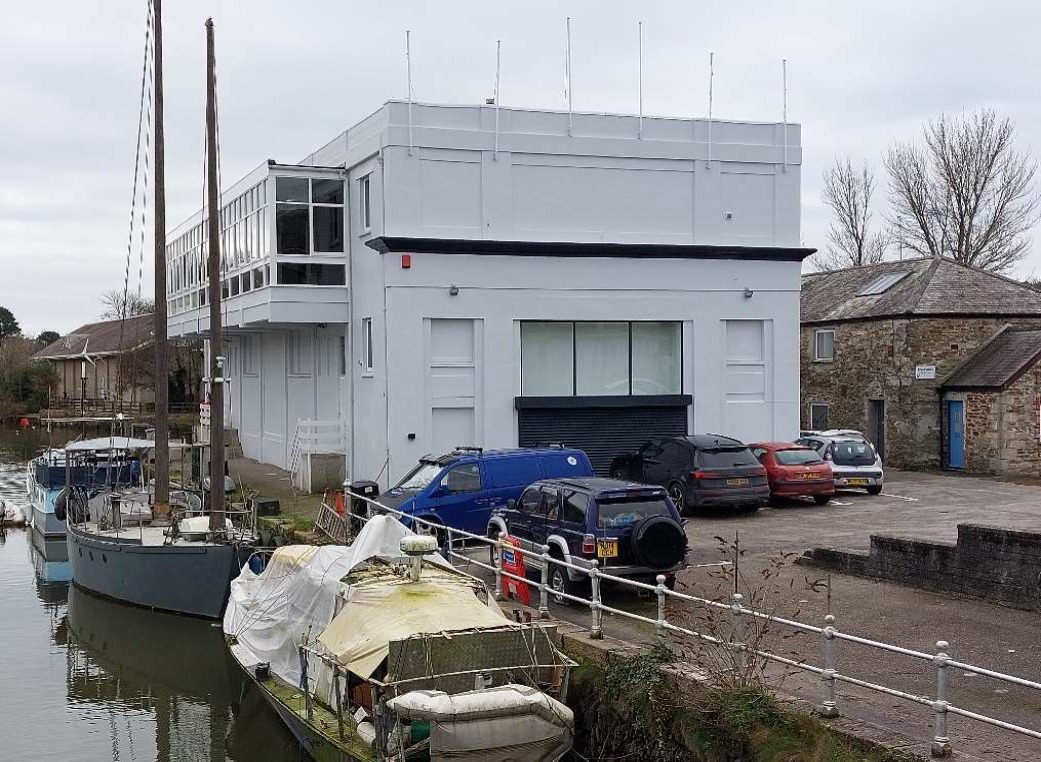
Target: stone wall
[1020, 426]
[876, 360]
[987, 562]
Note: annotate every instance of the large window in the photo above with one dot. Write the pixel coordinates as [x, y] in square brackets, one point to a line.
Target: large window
[609, 358]
[307, 274]
[309, 215]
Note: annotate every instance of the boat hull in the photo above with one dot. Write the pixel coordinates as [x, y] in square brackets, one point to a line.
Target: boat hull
[191, 579]
[46, 522]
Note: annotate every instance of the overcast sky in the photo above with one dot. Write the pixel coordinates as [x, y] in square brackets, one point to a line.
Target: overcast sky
[293, 75]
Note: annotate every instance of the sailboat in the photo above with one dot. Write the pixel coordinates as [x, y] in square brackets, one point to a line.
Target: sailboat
[138, 546]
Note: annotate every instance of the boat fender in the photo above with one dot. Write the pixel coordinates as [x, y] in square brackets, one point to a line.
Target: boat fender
[61, 504]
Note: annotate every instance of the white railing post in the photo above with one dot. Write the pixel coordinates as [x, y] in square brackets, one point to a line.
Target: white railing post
[451, 557]
[737, 636]
[941, 739]
[544, 584]
[828, 707]
[596, 632]
[498, 565]
[660, 591]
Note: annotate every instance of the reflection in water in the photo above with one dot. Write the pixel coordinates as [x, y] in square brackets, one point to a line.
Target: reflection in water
[83, 678]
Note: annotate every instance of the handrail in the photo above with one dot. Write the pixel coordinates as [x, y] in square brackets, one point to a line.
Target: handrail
[941, 745]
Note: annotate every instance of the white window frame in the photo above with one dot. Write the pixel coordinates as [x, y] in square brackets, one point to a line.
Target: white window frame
[367, 349]
[816, 345]
[827, 414]
[365, 203]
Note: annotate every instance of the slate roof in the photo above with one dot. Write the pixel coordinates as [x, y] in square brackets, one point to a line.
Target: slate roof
[999, 362]
[104, 338]
[933, 287]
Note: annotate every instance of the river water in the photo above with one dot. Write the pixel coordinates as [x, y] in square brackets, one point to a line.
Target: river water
[87, 680]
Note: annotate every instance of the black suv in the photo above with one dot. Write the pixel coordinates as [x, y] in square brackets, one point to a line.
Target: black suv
[633, 530]
[700, 471]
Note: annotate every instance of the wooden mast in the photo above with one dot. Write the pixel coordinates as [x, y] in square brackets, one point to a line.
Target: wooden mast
[162, 424]
[214, 271]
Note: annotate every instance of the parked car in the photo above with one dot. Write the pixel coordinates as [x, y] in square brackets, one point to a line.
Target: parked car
[461, 489]
[632, 530]
[698, 471]
[852, 458]
[795, 470]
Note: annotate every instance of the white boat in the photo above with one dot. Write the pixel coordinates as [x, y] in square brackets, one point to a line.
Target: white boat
[382, 650]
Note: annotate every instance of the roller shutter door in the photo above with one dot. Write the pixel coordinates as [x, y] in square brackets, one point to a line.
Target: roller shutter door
[602, 433]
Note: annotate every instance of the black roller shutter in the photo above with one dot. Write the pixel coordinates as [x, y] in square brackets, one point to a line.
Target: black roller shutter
[602, 433]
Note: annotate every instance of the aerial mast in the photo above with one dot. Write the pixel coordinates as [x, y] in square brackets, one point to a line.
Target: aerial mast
[162, 401]
[213, 266]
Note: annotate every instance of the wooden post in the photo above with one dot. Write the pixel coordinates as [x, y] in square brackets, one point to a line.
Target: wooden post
[213, 226]
[162, 396]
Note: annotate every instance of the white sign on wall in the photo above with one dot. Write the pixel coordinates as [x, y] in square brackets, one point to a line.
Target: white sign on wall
[924, 372]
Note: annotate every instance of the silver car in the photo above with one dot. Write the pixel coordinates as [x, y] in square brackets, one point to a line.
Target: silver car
[851, 456]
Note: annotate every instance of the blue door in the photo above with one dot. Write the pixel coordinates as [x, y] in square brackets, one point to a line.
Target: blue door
[956, 427]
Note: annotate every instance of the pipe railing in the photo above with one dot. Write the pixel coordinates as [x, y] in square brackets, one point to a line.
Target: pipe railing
[940, 660]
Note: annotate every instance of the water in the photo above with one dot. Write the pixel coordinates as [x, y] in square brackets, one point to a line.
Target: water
[84, 679]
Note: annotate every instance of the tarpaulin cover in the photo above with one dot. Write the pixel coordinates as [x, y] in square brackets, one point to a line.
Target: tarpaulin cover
[360, 635]
[110, 443]
[293, 599]
[510, 723]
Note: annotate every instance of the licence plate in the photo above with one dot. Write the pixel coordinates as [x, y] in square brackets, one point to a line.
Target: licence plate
[809, 476]
[857, 482]
[742, 482]
[607, 548]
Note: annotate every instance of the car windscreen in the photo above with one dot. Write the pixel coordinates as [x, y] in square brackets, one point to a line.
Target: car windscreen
[419, 477]
[727, 457]
[852, 453]
[797, 457]
[616, 512]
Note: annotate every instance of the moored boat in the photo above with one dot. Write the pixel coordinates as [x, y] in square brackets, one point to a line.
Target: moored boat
[382, 650]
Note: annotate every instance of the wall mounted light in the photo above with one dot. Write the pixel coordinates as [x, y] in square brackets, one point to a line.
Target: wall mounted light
[748, 292]
[453, 290]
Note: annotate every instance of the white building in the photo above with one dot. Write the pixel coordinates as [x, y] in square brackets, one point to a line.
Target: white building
[439, 276]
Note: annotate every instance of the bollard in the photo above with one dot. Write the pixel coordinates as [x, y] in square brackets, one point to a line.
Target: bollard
[544, 584]
[659, 625]
[498, 565]
[596, 632]
[828, 708]
[737, 637]
[941, 741]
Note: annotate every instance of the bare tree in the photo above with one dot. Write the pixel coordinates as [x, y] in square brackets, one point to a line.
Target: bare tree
[848, 191]
[118, 304]
[967, 193]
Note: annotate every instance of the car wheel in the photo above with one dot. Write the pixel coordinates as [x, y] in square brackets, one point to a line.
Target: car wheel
[874, 490]
[679, 497]
[821, 499]
[560, 582]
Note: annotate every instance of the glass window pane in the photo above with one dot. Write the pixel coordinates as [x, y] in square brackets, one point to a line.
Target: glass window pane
[547, 359]
[602, 358]
[291, 189]
[328, 228]
[656, 358]
[293, 229]
[327, 191]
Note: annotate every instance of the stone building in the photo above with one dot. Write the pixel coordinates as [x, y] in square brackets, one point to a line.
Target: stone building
[936, 362]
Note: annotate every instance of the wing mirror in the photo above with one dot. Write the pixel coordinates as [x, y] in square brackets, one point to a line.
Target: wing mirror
[511, 503]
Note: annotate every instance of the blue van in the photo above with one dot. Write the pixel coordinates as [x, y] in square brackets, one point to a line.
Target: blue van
[461, 489]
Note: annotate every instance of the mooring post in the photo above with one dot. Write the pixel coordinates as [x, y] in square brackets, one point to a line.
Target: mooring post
[498, 565]
[737, 637]
[660, 591]
[597, 630]
[941, 740]
[828, 707]
[544, 584]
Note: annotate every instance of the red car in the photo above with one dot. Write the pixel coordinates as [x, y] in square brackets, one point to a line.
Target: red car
[794, 470]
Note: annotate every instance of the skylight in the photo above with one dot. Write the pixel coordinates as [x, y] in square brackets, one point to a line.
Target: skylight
[883, 283]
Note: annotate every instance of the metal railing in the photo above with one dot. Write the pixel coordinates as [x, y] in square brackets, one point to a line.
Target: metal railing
[937, 699]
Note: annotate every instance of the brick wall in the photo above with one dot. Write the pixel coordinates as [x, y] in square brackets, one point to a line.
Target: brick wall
[987, 562]
[876, 360]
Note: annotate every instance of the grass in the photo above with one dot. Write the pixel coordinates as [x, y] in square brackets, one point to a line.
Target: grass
[632, 707]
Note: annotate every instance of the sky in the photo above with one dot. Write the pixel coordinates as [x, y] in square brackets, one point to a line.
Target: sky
[294, 75]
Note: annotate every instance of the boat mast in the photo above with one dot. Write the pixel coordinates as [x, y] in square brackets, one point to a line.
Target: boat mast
[213, 266]
[162, 424]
